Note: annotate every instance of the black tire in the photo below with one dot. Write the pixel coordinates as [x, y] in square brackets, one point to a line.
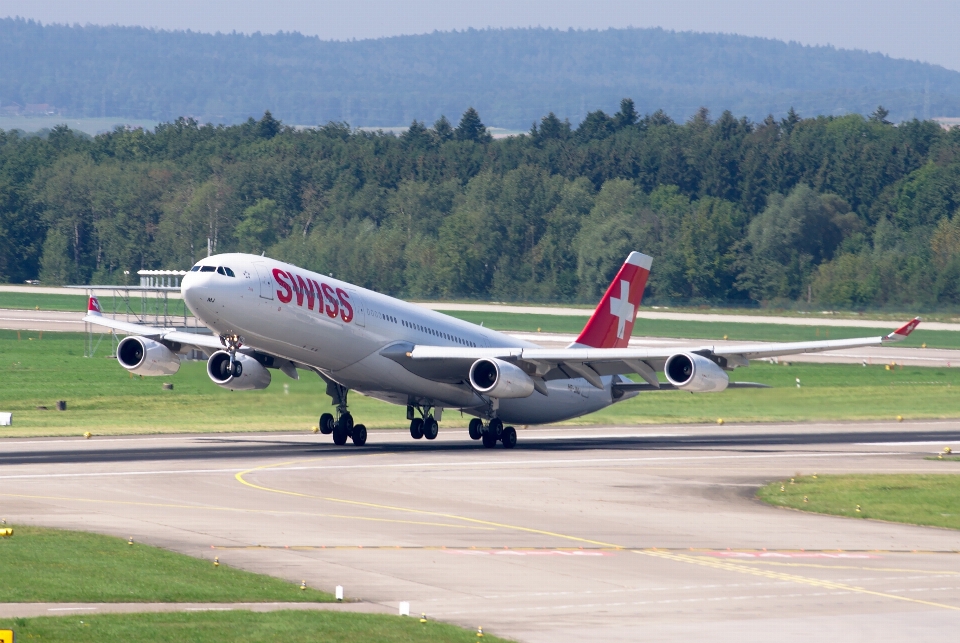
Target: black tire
[495, 427]
[475, 429]
[430, 428]
[489, 440]
[359, 435]
[326, 424]
[339, 435]
[416, 428]
[237, 369]
[346, 423]
[509, 437]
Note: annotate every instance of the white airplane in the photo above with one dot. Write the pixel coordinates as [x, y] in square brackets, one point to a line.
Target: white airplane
[265, 314]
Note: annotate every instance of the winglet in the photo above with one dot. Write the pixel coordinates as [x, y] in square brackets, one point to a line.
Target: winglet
[903, 331]
[93, 307]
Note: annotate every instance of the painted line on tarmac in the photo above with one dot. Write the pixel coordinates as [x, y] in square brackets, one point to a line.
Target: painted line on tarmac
[243, 510]
[684, 558]
[902, 444]
[462, 463]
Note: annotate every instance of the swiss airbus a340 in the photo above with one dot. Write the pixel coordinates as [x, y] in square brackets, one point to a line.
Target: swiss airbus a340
[267, 315]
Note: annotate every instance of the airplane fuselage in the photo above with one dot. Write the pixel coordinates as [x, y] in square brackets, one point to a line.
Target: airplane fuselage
[340, 330]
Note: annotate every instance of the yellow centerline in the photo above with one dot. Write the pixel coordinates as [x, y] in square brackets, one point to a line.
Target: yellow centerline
[666, 555]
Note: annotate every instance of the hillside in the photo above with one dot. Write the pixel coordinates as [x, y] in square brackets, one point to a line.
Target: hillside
[512, 76]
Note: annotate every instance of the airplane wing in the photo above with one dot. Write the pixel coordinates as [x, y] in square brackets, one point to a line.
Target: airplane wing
[452, 364]
[173, 335]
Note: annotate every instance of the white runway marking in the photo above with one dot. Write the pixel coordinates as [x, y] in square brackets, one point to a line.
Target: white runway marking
[466, 463]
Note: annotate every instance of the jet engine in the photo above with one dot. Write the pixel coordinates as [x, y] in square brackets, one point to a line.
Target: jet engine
[500, 379]
[147, 357]
[695, 373]
[247, 373]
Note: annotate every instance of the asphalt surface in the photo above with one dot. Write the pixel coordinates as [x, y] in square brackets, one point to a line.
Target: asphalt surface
[606, 533]
[31, 320]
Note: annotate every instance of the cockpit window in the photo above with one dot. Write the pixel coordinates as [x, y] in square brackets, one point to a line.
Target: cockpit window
[208, 269]
[229, 272]
[221, 271]
[195, 268]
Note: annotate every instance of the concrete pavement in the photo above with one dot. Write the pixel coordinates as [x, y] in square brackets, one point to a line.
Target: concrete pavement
[606, 533]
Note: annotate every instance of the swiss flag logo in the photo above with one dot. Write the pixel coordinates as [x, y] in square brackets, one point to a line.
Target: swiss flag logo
[94, 306]
[612, 321]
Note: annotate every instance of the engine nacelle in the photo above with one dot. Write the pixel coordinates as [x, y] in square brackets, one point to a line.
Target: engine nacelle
[500, 379]
[695, 373]
[147, 357]
[247, 375]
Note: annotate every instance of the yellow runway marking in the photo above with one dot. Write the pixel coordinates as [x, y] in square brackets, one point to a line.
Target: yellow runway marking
[867, 569]
[727, 566]
[240, 510]
[682, 558]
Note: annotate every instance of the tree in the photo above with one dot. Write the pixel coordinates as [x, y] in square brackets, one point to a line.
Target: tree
[443, 129]
[471, 128]
[256, 230]
[627, 115]
[879, 116]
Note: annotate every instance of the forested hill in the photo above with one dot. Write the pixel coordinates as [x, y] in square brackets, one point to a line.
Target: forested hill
[838, 211]
[511, 76]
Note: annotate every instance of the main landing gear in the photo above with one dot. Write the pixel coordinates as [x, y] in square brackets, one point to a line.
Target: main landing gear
[342, 427]
[493, 432]
[427, 427]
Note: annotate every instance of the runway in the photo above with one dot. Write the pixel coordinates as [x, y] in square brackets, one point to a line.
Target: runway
[602, 533]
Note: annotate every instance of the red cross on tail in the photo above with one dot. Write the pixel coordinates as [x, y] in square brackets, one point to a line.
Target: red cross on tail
[612, 321]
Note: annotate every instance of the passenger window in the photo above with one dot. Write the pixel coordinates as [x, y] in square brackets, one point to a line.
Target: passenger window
[229, 272]
[208, 269]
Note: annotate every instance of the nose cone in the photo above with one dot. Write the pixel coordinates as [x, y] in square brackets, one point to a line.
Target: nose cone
[191, 289]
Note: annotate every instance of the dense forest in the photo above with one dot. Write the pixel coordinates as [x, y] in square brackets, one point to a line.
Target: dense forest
[512, 76]
[832, 211]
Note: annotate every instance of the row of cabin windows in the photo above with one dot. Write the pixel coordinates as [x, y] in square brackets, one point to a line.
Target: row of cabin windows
[437, 333]
[223, 270]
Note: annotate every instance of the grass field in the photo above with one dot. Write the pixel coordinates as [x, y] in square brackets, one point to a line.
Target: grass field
[52, 565]
[230, 627]
[104, 399]
[78, 303]
[932, 500]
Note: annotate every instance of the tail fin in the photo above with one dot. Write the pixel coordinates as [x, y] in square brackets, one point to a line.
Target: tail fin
[93, 307]
[612, 321]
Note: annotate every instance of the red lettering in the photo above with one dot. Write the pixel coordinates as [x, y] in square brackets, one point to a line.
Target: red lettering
[333, 306]
[346, 310]
[287, 294]
[304, 288]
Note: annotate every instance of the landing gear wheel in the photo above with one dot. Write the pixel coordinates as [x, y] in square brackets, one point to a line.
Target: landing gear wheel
[346, 423]
[360, 435]
[326, 424]
[339, 435]
[509, 437]
[495, 427]
[475, 428]
[489, 440]
[237, 369]
[416, 428]
[430, 428]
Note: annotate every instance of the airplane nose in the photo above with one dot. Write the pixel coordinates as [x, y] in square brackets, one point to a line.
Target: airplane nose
[190, 290]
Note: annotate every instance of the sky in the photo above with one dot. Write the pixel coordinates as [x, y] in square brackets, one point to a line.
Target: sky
[922, 30]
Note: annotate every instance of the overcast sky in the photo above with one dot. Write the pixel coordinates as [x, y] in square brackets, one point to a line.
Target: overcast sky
[919, 29]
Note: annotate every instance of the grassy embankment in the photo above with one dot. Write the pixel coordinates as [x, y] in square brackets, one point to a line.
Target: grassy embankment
[104, 399]
[47, 565]
[917, 499]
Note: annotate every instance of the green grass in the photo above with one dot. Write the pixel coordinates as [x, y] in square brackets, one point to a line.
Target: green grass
[51, 565]
[932, 500]
[710, 330]
[228, 627]
[104, 399]
[41, 301]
